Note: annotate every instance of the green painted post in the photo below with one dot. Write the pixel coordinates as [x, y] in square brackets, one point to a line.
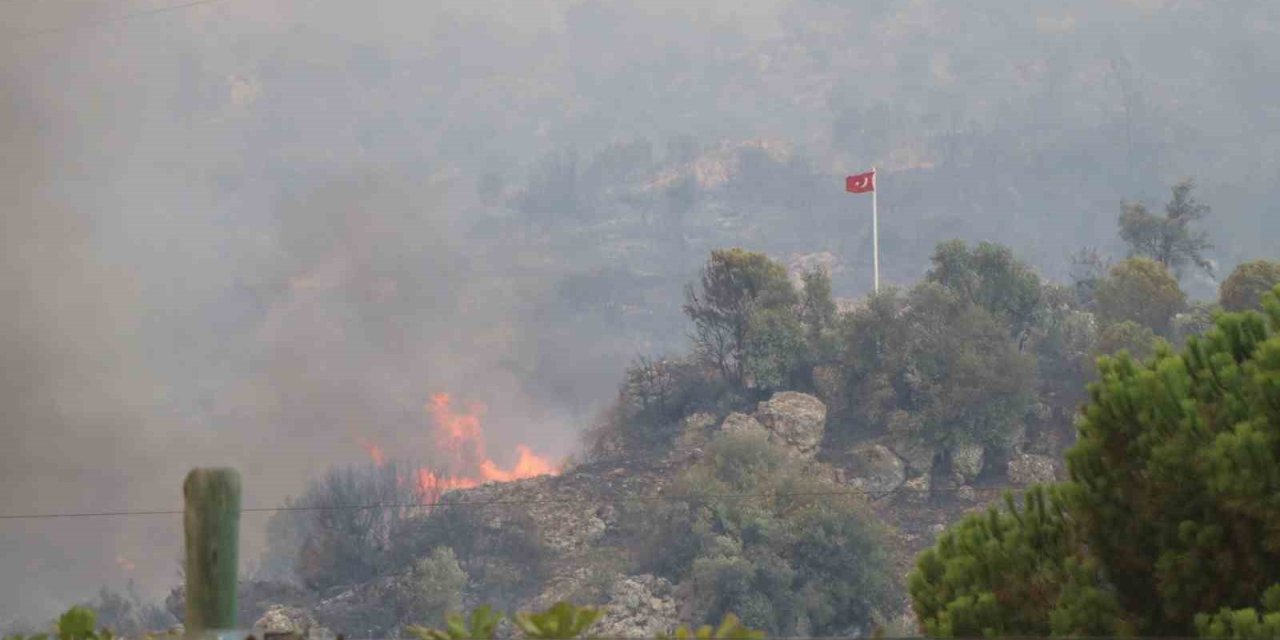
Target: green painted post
[212, 526]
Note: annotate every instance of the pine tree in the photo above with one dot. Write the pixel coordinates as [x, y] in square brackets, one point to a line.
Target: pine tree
[1170, 524]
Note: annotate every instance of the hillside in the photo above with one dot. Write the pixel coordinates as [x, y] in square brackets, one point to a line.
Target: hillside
[581, 526]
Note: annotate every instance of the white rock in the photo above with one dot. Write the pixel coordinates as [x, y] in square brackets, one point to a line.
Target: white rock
[794, 420]
[874, 468]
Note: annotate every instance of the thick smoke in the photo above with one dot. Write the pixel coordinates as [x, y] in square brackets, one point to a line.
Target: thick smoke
[250, 233]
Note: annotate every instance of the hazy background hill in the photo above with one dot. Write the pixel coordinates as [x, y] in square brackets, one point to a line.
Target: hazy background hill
[255, 232]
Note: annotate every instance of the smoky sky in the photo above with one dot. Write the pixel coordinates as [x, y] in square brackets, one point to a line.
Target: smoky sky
[254, 232]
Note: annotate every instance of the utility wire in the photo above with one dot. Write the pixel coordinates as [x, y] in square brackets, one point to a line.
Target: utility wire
[26, 35]
[516, 502]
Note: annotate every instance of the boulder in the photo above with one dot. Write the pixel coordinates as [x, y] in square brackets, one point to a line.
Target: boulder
[794, 420]
[967, 460]
[694, 431]
[916, 489]
[1030, 468]
[281, 620]
[874, 468]
[917, 455]
[741, 423]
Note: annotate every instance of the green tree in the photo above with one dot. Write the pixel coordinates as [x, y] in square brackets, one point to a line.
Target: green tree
[937, 367]
[775, 350]
[1243, 289]
[1008, 572]
[733, 284]
[818, 314]
[1064, 343]
[1140, 290]
[1170, 523]
[990, 277]
[1127, 336]
[1169, 239]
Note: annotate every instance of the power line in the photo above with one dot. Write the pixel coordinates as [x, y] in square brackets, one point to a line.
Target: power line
[517, 502]
[109, 21]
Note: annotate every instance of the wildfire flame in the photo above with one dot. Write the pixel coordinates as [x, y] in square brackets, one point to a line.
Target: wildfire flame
[125, 563]
[460, 436]
[375, 452]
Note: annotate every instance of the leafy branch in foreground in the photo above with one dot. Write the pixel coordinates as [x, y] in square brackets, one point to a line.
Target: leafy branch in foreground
[566, 621]
[76, 624]
[731, 627]
[481, 625]
[561, 622]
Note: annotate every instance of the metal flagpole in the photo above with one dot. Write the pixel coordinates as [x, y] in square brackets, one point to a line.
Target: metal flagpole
[875, 230]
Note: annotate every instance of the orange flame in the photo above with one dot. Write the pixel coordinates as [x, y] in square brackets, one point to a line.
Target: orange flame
[124, 563]
[528, 466]
[375, 452]
[459, 435]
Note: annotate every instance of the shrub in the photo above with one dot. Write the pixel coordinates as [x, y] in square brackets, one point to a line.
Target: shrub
[791, 558]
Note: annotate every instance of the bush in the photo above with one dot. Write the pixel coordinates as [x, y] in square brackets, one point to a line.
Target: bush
[439, 582]
[343, 546]
[504, 559]
[792, 559]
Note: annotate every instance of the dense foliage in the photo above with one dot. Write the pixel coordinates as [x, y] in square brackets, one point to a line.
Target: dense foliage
[564, 621]
[1169, 239]
[81, 623]
[791, 559]
[1168, 524]
[932, 366]
[1142, 291]
[1243, 289]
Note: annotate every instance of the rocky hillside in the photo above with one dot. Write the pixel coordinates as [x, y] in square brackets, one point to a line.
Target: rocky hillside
[579, 521]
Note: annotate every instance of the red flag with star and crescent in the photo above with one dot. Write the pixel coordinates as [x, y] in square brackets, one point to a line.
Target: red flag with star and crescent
[861, 183]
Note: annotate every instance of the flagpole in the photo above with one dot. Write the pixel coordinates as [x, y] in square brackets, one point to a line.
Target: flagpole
[875, 231]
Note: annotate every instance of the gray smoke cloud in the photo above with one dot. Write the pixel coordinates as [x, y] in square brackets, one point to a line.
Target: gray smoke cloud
[250, 232]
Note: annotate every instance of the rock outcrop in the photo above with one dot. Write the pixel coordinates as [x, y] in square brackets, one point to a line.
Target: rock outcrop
[874, 468]
[917, 454]
[280, 620]
[967, 460]
[640, 606]
[741, 423]
[1030, 468]
[794, 420]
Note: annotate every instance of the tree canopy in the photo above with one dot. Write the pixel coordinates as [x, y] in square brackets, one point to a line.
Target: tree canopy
[1243, 289]
[734, 284]
[1142, 291]
[935, 367]
[1168, 239]
[991, 277]
[1168, 525]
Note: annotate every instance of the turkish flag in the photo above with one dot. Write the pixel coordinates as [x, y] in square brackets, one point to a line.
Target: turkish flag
[861, 183]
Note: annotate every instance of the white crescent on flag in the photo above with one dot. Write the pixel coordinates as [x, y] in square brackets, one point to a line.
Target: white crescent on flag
[861, 183]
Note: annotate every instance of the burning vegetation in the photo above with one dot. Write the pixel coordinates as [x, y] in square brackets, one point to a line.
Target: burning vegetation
[459, 436]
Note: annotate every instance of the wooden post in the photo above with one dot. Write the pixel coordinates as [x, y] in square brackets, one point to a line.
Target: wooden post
[212, 526]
